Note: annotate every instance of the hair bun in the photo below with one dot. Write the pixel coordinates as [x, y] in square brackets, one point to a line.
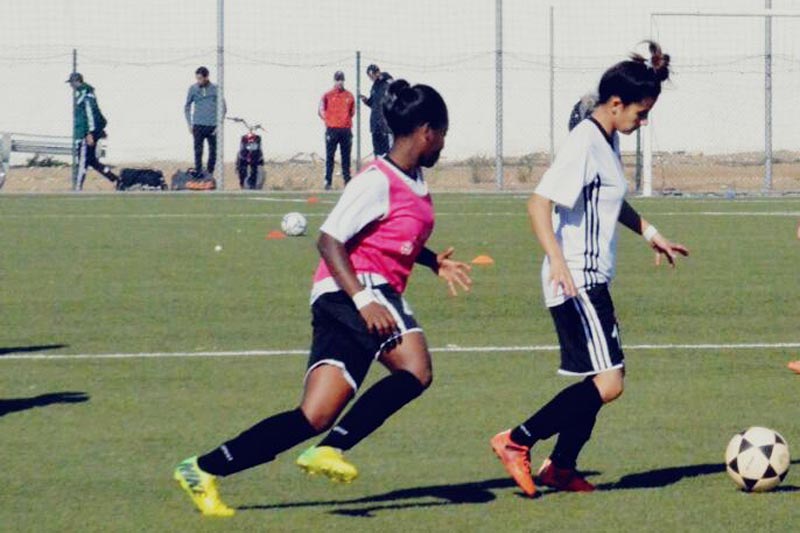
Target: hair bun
[397, 87]
[659, 61]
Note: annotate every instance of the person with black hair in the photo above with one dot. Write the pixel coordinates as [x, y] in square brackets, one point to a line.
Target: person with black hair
[336, 109]
[202, 120]
[582, 109]
[368, 246]
[587, 185]
[381, 135]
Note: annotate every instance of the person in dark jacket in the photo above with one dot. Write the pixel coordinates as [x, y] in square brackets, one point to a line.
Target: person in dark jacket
[381, 136]
[202, 120]
[89, 127]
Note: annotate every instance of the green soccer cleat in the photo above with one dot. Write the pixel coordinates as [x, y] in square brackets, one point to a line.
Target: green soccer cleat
[201, 488]
[329, 462]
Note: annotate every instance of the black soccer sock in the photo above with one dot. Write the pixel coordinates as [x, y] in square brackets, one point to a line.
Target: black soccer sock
[573, 437]
[372, 409]
[571, 441]
[259, 444]
[572, 403]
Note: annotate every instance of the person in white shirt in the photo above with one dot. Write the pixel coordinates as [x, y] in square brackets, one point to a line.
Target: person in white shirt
[574, 213]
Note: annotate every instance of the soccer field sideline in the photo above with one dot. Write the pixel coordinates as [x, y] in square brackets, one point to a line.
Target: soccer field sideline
[445, 349]
[521, 212]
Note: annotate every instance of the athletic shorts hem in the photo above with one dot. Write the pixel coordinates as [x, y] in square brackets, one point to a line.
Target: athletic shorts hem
[391, 341]
[563, 372]
[338, 364]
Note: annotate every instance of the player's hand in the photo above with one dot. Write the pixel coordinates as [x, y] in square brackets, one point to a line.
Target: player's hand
[561, 277]
[90, 139]
[379, 320]
[454, 272]
[665, 248]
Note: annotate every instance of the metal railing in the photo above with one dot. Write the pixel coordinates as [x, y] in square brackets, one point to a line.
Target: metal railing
[34, 144]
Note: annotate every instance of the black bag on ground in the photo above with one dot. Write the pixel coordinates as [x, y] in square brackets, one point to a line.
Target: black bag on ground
[190, 180]
[141, 179]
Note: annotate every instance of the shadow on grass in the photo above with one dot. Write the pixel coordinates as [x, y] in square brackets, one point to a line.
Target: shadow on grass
[14, 405]
[662, 477]
[29, 349]
[463, 493]
[480, 492]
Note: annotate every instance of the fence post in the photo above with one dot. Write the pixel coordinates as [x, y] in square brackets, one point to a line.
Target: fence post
[552, 88]
[219, 169]
[768, 101]
[498, 93]
[647, 158]
[358, 110]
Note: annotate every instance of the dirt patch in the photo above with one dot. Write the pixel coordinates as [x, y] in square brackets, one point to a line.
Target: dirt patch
[673, 173]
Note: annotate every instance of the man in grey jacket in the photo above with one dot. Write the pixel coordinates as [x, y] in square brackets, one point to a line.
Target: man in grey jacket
[202, 120]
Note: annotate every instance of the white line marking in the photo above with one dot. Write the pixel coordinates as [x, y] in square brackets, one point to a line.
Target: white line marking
[446, 349]
[468, 213]
[282, 200]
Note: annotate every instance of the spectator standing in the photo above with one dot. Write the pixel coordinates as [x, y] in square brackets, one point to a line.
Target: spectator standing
[202, 120]
[336, 109]
[381, 136]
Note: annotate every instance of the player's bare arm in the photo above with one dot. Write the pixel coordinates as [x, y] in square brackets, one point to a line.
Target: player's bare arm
[631, 219]
[455, 273]
[377, 317]
[540, 211]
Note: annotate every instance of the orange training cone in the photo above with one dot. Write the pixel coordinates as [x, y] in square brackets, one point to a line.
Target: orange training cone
[312, 200]
[275, 235]
[483, 260]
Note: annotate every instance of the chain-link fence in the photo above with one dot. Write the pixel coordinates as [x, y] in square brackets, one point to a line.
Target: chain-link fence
[708, 134]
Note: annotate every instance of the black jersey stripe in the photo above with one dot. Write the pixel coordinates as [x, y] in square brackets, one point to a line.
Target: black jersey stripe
[586, 235]
[596, 260]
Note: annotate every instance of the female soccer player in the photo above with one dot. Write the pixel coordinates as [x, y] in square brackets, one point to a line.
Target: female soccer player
[587, 185]
[369, 244]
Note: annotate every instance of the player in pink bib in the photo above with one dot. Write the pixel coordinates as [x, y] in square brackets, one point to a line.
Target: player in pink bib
[368, 245]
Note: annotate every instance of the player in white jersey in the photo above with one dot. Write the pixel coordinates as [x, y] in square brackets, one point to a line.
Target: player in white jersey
[586, 185]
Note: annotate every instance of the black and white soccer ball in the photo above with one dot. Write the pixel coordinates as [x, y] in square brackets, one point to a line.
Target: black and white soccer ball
[757, 459]
[294, 224]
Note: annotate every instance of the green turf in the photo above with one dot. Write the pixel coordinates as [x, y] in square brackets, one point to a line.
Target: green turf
[125, 274]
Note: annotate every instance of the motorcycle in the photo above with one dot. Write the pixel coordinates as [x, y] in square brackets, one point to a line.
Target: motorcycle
[250, 158]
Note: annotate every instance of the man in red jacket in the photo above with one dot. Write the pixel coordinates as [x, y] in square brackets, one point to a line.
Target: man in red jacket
[336, 109]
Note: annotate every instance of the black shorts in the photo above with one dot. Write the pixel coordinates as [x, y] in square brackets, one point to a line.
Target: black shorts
[341, 337]
[588, 333]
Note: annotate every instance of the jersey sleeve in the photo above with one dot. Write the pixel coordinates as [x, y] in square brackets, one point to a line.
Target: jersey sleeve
[365, 200]
[569, 173]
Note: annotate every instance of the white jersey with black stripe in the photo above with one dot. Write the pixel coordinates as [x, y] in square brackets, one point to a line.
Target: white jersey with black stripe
[587, 183]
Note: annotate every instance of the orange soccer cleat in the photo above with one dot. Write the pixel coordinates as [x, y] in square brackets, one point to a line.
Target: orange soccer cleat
[794, 366]
[516, 459]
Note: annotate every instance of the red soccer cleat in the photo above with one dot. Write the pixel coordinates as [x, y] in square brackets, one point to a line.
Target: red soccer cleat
[566, 479]
[516, 459]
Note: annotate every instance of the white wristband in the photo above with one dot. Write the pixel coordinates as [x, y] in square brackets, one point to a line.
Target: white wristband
[363, 298]
[650, 233]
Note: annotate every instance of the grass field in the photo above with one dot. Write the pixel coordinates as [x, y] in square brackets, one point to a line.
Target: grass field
[82, 276]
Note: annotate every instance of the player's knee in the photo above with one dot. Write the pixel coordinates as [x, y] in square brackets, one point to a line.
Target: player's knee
[424, 377]
[610, 385]
[611, 391]
[320, 421]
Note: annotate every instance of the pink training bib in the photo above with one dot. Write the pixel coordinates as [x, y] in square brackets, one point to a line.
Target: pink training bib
[390, 246]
